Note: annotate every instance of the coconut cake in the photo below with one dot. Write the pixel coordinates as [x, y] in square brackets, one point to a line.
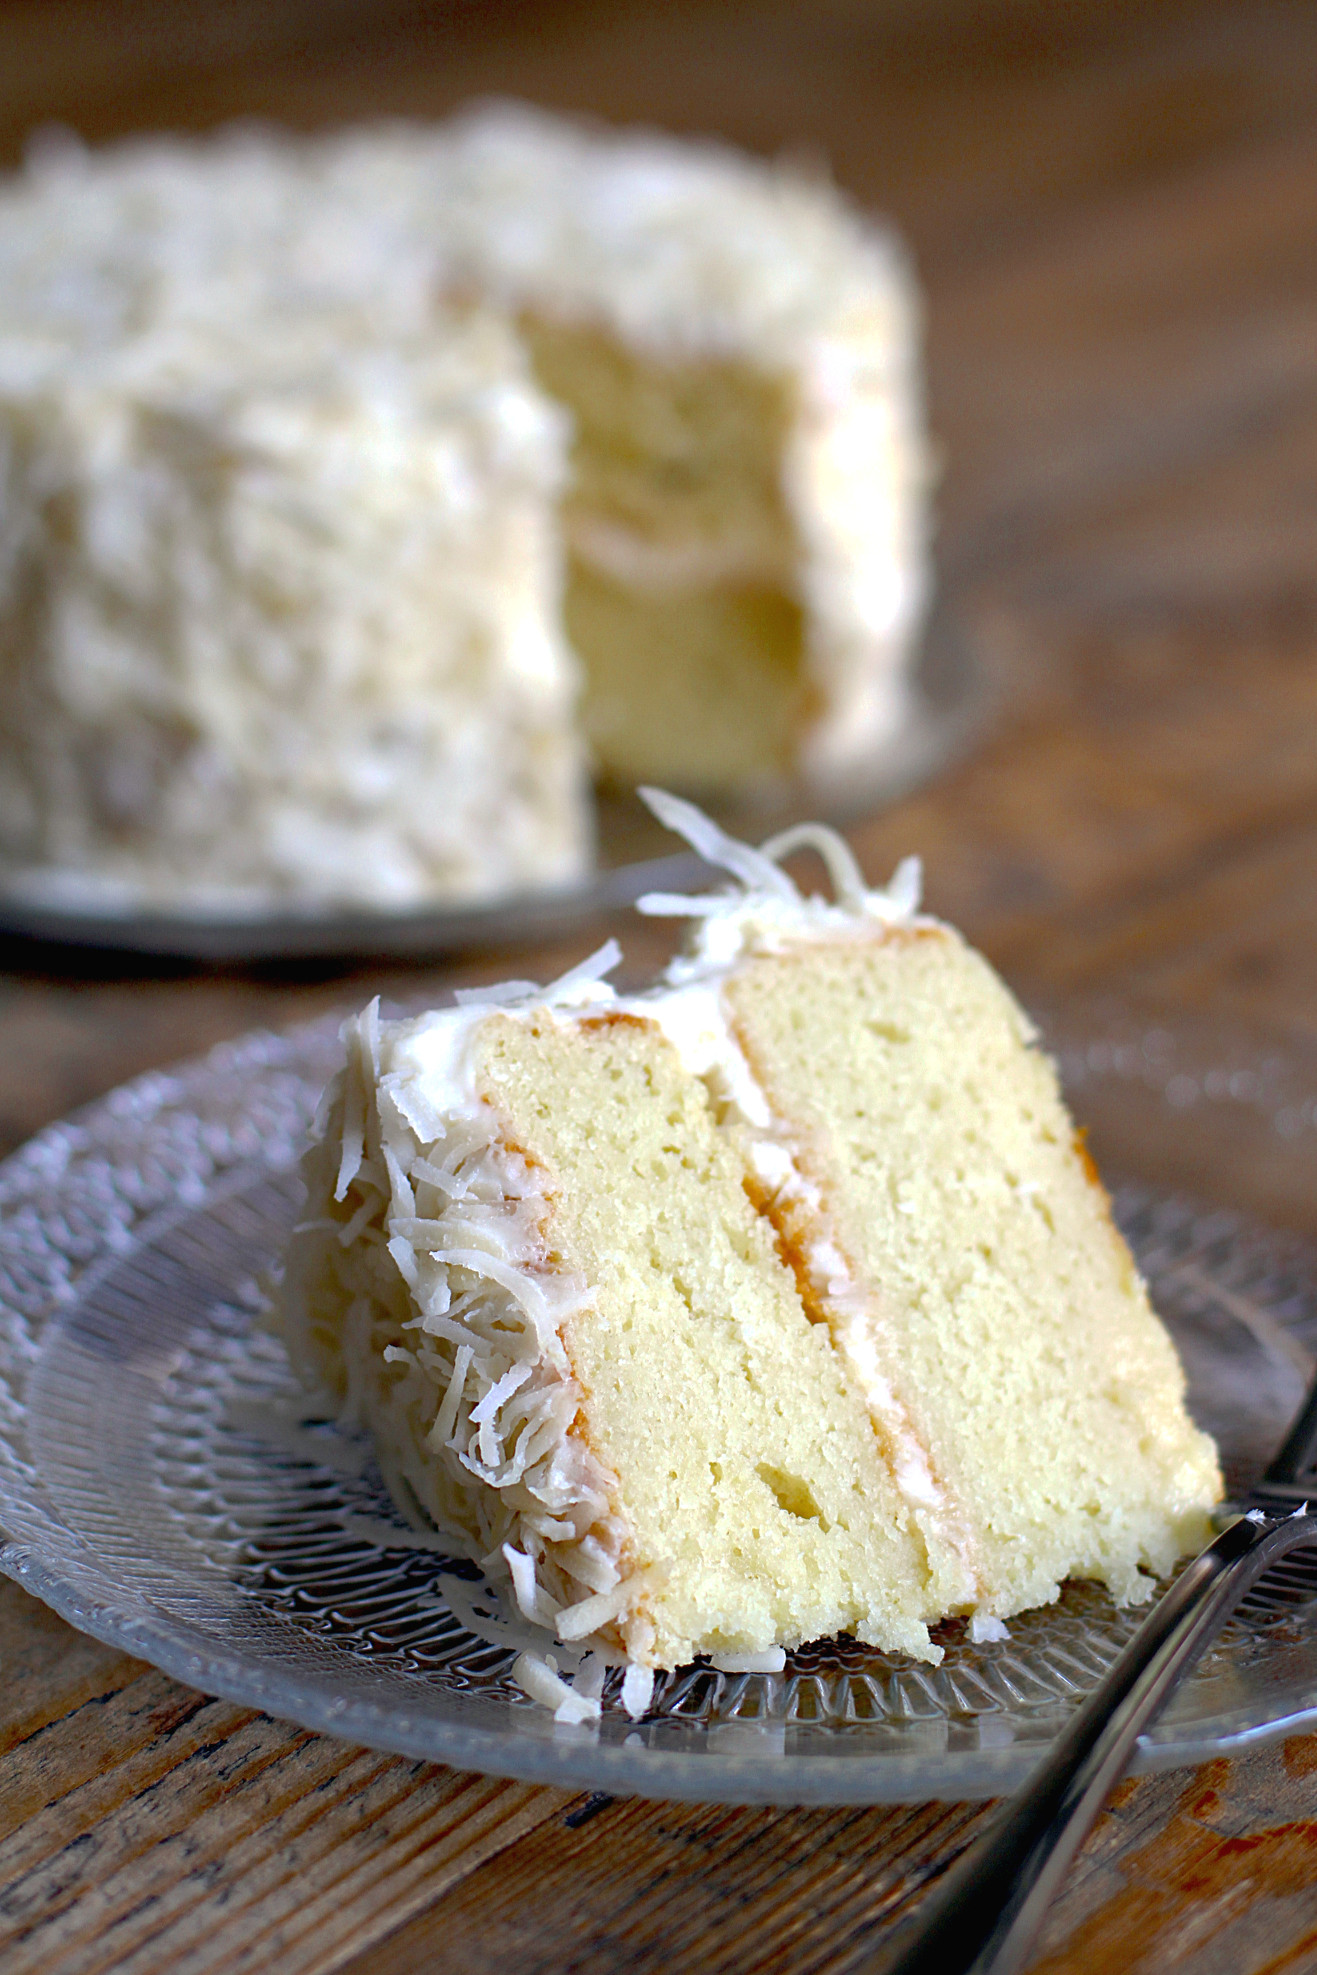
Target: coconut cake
[409, 434]
[775, 1302]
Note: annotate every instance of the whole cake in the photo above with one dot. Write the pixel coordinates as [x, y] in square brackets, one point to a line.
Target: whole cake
[777, 1302]
[299, 552]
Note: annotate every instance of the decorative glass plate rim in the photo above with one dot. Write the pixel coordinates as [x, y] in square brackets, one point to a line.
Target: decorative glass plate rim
[570, 1758]
[949, 700]
[542, 1751]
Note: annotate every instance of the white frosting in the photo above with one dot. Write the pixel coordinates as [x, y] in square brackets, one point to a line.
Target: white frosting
[687, 247]
[855, 1320]
[693, 1021]
[266, 585]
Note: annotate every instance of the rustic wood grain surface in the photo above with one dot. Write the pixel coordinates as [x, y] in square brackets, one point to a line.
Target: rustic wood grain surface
[1114, 208]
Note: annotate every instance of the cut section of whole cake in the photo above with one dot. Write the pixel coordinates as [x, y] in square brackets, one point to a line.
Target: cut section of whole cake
[777, 1302]
[746, 517]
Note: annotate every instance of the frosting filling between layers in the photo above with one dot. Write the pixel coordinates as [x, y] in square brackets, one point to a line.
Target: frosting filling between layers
[695, 1022]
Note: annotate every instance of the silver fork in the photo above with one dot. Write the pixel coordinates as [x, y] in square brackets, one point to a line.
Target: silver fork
[986, 1915]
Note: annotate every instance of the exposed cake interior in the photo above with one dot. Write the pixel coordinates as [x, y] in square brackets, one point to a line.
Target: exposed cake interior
[975, 1277]
[719, 606]
[681, 593]
[746, 517]
[776, 1302]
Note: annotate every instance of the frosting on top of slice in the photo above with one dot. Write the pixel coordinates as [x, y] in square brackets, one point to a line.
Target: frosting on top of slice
[765, 911]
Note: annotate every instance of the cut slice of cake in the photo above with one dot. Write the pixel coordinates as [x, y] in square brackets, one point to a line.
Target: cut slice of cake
[776, 1302]
[949, 1229]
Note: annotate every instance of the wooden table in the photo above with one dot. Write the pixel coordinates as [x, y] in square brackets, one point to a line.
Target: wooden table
[1115, 211]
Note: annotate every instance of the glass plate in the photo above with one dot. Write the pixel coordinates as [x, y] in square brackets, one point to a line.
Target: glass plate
[947, 704]
[146, 1497]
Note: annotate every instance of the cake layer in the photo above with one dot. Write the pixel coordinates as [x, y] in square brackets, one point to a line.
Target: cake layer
[973, 1275]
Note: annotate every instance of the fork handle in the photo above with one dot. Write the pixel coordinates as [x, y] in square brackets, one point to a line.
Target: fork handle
[985, 1916]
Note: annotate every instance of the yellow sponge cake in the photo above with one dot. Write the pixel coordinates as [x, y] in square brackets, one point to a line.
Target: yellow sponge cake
[777, 1302]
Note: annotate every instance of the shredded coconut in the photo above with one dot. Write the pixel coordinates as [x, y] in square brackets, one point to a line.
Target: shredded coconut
[985, 1630]
[637, 1690]
[542, 1684]
[542, 1662]
[765, 911]
[772, 1660]
[452, 1352]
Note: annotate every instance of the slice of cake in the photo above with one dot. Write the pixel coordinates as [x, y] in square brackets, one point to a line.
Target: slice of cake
[777, 1302]
[746, 516]
[952, 1234]
[279, 617]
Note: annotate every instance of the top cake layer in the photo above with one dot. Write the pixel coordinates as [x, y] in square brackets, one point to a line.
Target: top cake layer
[688, 247]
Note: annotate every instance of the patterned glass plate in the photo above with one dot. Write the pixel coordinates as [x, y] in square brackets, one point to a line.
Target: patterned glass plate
[146, 1495]
[947, 705]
